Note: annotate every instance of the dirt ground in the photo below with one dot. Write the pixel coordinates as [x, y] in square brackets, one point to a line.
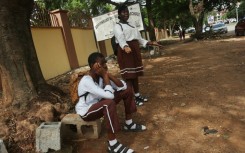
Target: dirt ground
[192, 85]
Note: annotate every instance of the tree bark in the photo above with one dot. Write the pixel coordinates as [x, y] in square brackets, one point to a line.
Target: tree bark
[17, 54]
[197, 12]
[151, 21]
[199, 23]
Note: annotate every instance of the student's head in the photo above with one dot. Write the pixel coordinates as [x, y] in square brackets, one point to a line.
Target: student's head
[123, 13]
[96, 57]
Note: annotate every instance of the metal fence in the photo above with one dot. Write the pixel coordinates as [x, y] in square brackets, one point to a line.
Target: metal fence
[79, 19]
[42, 18]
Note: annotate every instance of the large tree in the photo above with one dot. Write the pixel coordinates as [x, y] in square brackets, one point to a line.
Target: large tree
[20, 71]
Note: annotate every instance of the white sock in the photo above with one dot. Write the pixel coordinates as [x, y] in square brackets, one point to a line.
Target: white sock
[128, 122]
[112, 142]
[137, 94]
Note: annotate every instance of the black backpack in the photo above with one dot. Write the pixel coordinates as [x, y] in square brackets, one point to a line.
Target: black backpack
[114, 45]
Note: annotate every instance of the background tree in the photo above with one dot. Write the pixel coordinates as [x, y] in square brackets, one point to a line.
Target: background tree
[168, 14]
[241, 11]
[198, 8]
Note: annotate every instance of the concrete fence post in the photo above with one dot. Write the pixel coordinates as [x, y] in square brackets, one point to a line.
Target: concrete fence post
[102, 47]
[62, 18]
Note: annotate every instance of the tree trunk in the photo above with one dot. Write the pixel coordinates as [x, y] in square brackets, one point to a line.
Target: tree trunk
[165, 29]
[17, 55]
[197, 12]
[171, 28]
[199, 23]
[151, 21]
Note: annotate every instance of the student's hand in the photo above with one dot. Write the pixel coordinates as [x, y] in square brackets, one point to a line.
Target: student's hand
[154, 43]
[127, 49]
[111, 77]
[115, 80]
[99, 70]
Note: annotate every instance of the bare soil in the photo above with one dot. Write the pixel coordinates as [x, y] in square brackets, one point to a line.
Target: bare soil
[192, 85]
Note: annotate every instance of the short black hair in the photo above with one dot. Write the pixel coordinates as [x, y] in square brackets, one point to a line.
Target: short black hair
[121, 8]
[93, 57]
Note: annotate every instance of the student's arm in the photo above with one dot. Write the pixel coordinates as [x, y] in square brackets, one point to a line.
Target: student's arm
[144, 42]
[116, 81]
[120, 36]
[107, 92]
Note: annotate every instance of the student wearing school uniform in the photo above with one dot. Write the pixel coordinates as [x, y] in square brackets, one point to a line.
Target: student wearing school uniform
[128, 54]
[99, 93]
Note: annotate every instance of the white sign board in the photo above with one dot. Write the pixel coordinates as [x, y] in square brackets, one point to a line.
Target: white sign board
[103, 24]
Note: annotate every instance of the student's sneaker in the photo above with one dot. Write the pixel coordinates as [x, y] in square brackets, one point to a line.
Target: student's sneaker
[141, 98]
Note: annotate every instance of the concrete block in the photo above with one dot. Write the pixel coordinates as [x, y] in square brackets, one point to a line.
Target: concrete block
[76, 128]
[64, 149]
[48, 136]
[2, 147]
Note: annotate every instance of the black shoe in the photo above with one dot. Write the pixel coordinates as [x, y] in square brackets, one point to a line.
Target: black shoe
[138, 102]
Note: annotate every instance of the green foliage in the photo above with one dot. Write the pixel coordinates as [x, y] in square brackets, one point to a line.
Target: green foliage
[52, 4]
[219, 5]
[171, 12]
[89, 7]
[241, 11]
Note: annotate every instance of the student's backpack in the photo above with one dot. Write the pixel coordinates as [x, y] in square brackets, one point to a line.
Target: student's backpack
[114, 45]
[73, 86]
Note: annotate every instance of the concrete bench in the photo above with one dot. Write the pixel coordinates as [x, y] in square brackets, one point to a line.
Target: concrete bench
[81, 128]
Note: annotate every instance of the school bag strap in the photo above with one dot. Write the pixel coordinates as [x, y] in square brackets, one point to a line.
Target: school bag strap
[85, 95]
[120, 25]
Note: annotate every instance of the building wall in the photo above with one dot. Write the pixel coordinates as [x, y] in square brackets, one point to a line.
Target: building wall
[108, 46]
[51, 51]
[85, 44]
